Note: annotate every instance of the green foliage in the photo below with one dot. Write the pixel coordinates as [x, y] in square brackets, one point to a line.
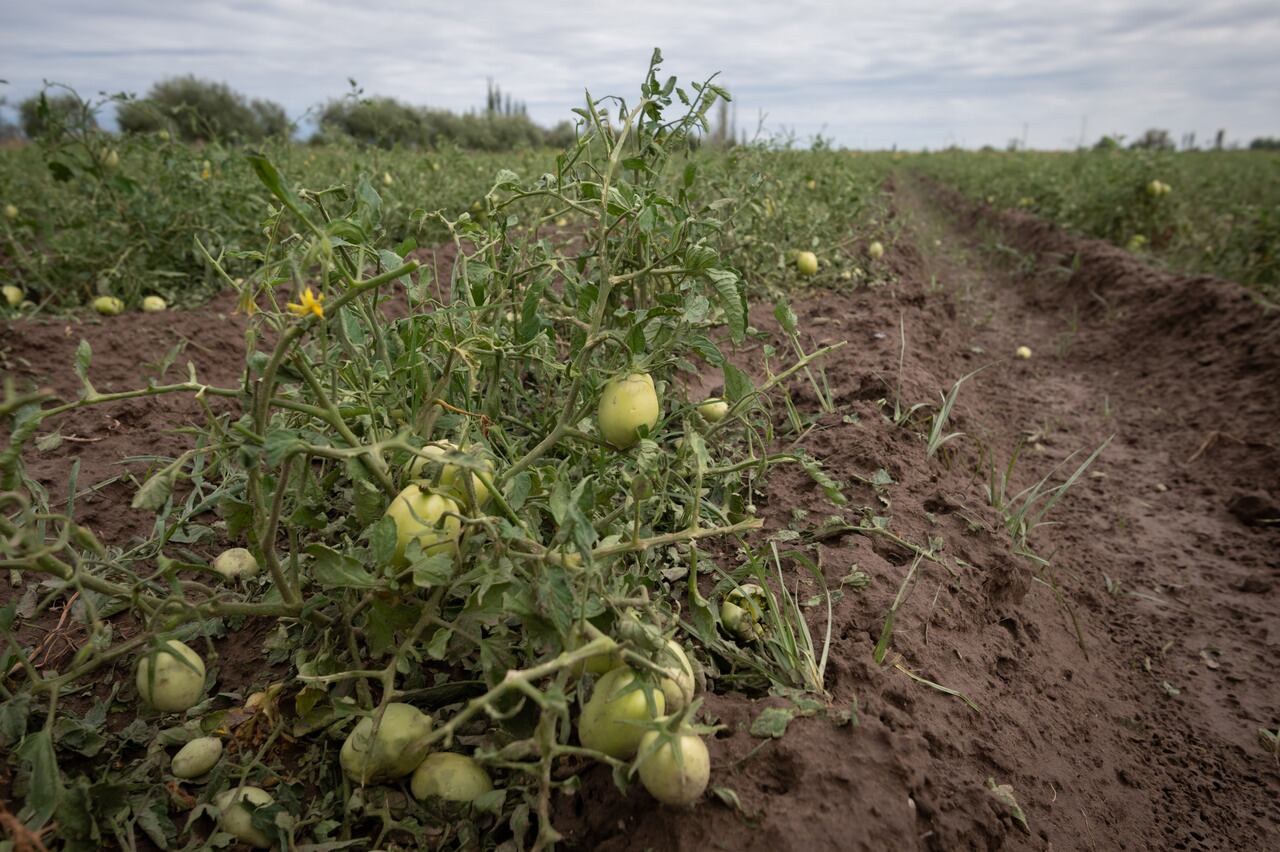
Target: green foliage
[580, 551]
[388, 123]
[42, 115]
[1221, 215]
[88, 228]
[202, 110]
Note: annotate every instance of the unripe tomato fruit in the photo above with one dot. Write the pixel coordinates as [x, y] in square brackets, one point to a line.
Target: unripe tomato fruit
[713, 410]
[1024, 352]
[449, 776]
[807, 262]
[875, 250]
[13, 296]
[236, 563]
[168, 683]
[670, 782]
[236, 818]
[196, 757]
[154, 304]
[678, 686]
[429, 518]
[596, 664]
[393, 751]
[449, 480]
[10, 212]
[108, 306]
[603, 724]
[742, 612]
[625, 405]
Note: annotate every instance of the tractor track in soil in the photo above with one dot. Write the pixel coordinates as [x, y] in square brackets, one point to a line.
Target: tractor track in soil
[1145, 737]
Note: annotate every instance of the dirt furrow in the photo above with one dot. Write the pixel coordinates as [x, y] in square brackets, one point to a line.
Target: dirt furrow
[1164, 547]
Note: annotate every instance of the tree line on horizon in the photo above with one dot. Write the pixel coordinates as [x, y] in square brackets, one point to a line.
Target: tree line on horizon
[196, 110]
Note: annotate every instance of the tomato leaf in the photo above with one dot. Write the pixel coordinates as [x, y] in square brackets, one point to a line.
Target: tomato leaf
[382, 540]
[155, 492]
[736, 383]
[733, 299]
[15, 711]
[433, 570]
[334, 570]
[44, 789]
[772, 722]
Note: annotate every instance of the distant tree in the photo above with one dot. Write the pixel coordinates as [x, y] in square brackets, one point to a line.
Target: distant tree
[1109, 143]
[1155, 139]
[386, 122]
[272, 119]
[381, 122]
[1219, 139]
[1266, 143]
[42, 114]
[198, 109]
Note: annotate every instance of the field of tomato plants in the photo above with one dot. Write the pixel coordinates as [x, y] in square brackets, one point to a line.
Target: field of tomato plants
[641, 495]
[1216, 212]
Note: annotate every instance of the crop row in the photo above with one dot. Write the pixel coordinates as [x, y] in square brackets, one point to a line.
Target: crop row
[1200, 211]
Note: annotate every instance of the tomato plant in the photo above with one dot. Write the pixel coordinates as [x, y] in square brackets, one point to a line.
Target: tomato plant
[451, 545]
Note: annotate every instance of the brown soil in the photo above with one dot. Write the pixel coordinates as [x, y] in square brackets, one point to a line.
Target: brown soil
[1139, 733]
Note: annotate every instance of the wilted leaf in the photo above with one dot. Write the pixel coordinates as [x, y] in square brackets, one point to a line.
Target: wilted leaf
[1004, 795]
[772, 722]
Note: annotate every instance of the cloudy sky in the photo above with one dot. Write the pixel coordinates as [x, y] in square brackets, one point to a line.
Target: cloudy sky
[868, 74]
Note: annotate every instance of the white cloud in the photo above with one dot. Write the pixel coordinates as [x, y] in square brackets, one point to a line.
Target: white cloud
[911, 73]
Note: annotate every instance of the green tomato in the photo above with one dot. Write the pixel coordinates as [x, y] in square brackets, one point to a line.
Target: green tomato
[713, 410]
[13, 296]
[154, 304]
[236, 563]
[672, 781]
[625, 405]
[392, 751]
[108, 306]
[449, 776]
[236, 817]
[615, 702]
[196, 757]
[429, 518]
[10, 212]
[170, 684]
[596, 664]
[450, 474]
[678, 687]
[876, 250]
[807, 263]
[1023, 352]
[742, 612]
[112, 160]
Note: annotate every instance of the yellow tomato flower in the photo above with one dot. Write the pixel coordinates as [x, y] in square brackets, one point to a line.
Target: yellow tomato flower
[310, 304]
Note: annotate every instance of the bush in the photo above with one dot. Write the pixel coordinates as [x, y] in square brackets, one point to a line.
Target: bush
[201, 110]
[41, 114]
[388, 123]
